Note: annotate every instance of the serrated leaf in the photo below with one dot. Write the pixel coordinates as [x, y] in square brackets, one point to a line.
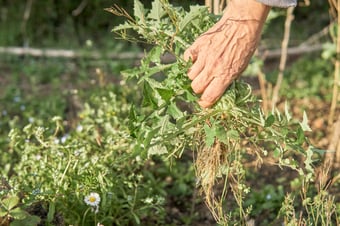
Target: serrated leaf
[131, 73]
[149, 98]
[154, 54]
[157, 150]
[308, 161]
[139, 11]
[195, 12]
[124, 26]
[304, 124]
[157, 11]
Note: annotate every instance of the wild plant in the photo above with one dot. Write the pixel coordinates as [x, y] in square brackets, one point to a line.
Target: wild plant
[167, 121]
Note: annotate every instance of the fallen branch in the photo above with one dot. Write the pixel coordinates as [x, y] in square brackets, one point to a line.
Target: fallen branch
[72, 54]
[97, 55]
[292, 51]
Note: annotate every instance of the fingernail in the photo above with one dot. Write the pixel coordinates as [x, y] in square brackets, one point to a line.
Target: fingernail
[205, 104]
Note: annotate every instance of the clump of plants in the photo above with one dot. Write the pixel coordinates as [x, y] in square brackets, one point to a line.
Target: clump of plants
[88, 175]
[167, 121]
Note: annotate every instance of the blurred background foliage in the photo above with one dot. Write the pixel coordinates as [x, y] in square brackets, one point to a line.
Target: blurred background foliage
[62, 23]
[68, 24]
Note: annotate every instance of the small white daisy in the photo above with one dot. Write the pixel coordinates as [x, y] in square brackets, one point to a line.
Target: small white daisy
[93, 199]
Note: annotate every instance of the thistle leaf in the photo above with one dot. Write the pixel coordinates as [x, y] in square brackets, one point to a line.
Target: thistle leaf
[304, 124]
[139, 11]
[157, 11]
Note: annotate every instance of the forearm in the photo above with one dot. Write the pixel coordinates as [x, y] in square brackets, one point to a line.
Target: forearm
[279, 3]
[246, 10]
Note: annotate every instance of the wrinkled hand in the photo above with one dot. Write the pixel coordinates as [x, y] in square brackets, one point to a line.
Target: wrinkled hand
[221, 54]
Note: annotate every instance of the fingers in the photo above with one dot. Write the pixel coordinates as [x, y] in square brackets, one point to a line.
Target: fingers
[190, 53]
[214, 91]
[196, 68]
[201, 81]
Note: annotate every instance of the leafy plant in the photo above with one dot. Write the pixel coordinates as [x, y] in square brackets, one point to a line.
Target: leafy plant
[168, 121]
[10, 211]
[59, 169]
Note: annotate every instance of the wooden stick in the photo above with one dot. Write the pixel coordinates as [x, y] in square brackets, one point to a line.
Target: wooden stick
[65, 53]
[336, 81]
[209, 5]
[284, 54]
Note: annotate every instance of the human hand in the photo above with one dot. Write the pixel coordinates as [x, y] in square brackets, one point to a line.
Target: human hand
[221, 54]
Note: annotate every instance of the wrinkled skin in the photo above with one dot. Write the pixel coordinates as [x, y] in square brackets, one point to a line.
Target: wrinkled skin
[221, 54]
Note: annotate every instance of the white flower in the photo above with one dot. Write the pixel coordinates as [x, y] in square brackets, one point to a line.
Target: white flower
[93, 199]
[79, 128]
[148, 200]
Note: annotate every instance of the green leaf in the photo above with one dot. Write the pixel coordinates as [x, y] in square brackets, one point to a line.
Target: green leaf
[18, 213]
[221, 134]
[304, 124]
[131, 73]
[209, 135]
[166, 94]
[149, 135]
[174, 111]
[164, 124]
[157, 150]
[28, 221]
[320, 151]
[149, 98]
[10, 202]
[154, 54]
[51, 212]
[277, 153]
[308, 161]
[288, 116]
[269, 121]
[300, 136]
[157, 11]
[139, 10]
[124, 26]
[233, 134]
[195, 12]
[132, 121]
[3, 212]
